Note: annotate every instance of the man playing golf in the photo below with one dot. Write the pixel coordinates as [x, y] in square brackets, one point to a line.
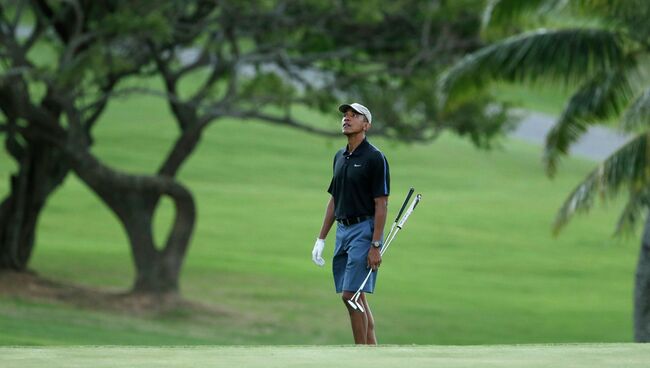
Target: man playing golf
[359, 197]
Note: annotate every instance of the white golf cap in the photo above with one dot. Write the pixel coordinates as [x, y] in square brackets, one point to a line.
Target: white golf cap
[359, 108]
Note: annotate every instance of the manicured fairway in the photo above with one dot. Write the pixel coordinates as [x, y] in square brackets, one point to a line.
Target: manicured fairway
[557, 356]
[476, 264]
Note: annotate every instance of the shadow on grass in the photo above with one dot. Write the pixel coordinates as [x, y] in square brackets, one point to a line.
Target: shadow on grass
[32, 287]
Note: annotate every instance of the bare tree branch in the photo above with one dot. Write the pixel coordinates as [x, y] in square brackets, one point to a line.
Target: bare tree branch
[276, 55]
[219, 69]
[97, 108]
[201, 61]
[426, 51]
[233, 81]
[35, 35]
[183, 148]
[168, 76]
[76, 42]
[14, 72]
[5, 25]
[206, 57]
[128, 91]
[12, 145]
[20, 7]
[100, 104]
[281, 120]
[13, 50]
[79, 17]
[43, 14]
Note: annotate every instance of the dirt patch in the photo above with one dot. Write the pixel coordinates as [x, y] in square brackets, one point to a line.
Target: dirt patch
[31, 286]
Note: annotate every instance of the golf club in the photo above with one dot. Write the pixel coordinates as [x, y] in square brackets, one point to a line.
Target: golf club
[397, 226]
[353, 302]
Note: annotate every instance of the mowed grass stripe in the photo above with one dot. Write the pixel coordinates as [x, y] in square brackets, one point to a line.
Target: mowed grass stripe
[557, 356]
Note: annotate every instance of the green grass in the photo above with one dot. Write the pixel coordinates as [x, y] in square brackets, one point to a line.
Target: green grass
[546, 98]
[574, 356]
[476, 263]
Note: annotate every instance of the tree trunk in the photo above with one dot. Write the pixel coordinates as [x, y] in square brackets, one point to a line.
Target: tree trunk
[642, 289]
[157, 271]
[40, 172]
[134, 200]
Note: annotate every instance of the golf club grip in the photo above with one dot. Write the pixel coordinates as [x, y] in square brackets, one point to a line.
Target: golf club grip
[406, 201]
[416, 200]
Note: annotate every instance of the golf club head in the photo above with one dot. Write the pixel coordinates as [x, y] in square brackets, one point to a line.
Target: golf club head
[360, 307]
[352, 304]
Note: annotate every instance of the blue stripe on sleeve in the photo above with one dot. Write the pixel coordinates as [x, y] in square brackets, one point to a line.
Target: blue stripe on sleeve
[385, 178]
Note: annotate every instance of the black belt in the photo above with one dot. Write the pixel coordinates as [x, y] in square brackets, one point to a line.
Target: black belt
[352, 220]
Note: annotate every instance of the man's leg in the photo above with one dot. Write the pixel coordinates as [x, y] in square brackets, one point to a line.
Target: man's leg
[358, 321]
[371, 339]
[355, 271]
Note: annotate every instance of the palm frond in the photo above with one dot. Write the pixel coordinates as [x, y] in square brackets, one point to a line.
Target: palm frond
[630, 16]
[568, 55]
[600, 98]
[500, 12]
[612, 9]
[635, 208]
[628, 166]
[637, 115]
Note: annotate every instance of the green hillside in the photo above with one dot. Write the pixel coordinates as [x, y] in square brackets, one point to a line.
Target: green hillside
[476, 263]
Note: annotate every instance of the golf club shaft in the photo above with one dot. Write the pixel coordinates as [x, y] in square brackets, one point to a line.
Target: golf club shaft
[391, 235]
[399, 214]
[406, 201]
[401, 224]
[370, 271]
[383, 250]
[389, 238]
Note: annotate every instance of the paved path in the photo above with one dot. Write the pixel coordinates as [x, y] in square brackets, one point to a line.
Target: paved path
[597, 144]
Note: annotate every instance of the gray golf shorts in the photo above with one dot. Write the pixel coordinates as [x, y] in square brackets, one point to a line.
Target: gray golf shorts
[350, 263]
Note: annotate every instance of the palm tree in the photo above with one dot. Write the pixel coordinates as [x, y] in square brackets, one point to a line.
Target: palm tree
[599, 49]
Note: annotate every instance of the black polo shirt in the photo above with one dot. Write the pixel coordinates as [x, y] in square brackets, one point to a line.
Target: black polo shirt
[358, 179]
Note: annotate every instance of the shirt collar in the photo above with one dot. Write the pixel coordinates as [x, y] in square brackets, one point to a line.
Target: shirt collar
[362, 147]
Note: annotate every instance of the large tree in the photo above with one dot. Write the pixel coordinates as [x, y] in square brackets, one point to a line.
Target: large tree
[61, 63]
[598, 49]
[250, 60]
[56, 59]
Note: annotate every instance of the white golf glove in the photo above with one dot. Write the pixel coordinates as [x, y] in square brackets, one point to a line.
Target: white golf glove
[317, 253]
